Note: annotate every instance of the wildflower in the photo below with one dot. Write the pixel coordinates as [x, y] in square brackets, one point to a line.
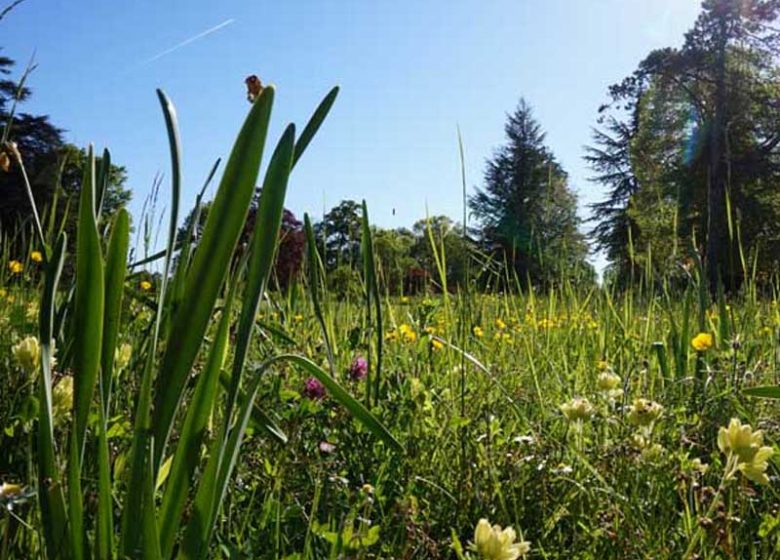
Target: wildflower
[28, 354]
[367, 489]
[602, 365]
[36, 256]
[702, 342]
[15, 267]
[493, 543]
[358, 369]
[145, 285]
[608, 381]
[577, 410]
[478, 332]
[122, 356]
[298, 318]
[326, 447]
[644, 412]
[313, 389]
[62, 399]
[437, 344]
[500, 324]
[697, 466]
[748, 447]
[407, 333]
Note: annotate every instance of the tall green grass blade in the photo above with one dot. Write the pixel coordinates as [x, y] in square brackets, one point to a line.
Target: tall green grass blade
[186, 458]
[88, 313]
[314, 124]
[372, 295]
[104, 531]
[151, 535]
[102, 179]
[136, 498]
[263, 249]
[210, 265]
[116, 269]
[78, 536]
[50, 493]
[314, 269]
[765, 392]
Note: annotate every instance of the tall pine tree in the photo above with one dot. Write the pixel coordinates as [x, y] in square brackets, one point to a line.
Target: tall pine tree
[526, 210]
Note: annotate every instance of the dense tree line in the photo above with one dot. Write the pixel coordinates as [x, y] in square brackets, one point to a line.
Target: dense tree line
[689, 150]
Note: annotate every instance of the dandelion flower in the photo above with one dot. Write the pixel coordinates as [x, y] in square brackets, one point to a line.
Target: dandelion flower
[145, 285]
[15, 267]
[36, 256]
[702, 342]
[494, 543]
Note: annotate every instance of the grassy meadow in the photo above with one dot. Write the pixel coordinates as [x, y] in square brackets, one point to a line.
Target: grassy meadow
[181, 408]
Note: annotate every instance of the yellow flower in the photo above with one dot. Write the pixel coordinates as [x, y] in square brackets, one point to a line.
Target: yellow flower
[28, 354]
[298, 318]
[601, 365]
[702, 342]
[748, 446]
[407, 333]
[436, 344]
[15, 267]
[494, 543]
[36, 256]
[577, 410]
[478, 332]
[500, 325]
[145, 285]
[644, 412]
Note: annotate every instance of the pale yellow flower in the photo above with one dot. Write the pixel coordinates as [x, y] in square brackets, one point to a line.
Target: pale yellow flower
[122, 355]
[644, 412]
[749, 449]
[62, 399]
[28, 354]
[494, 543]
[577, 410]
[478, 332]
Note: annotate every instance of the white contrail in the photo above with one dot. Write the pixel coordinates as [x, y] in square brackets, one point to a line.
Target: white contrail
[188, 41]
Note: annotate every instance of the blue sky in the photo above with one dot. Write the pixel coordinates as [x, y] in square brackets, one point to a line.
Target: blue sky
[411, 72]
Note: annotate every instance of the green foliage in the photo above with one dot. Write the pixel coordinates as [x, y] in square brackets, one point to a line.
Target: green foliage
[690, 150]
[527, 212]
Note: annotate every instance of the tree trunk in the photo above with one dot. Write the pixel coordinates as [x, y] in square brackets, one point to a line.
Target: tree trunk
[717, 225]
